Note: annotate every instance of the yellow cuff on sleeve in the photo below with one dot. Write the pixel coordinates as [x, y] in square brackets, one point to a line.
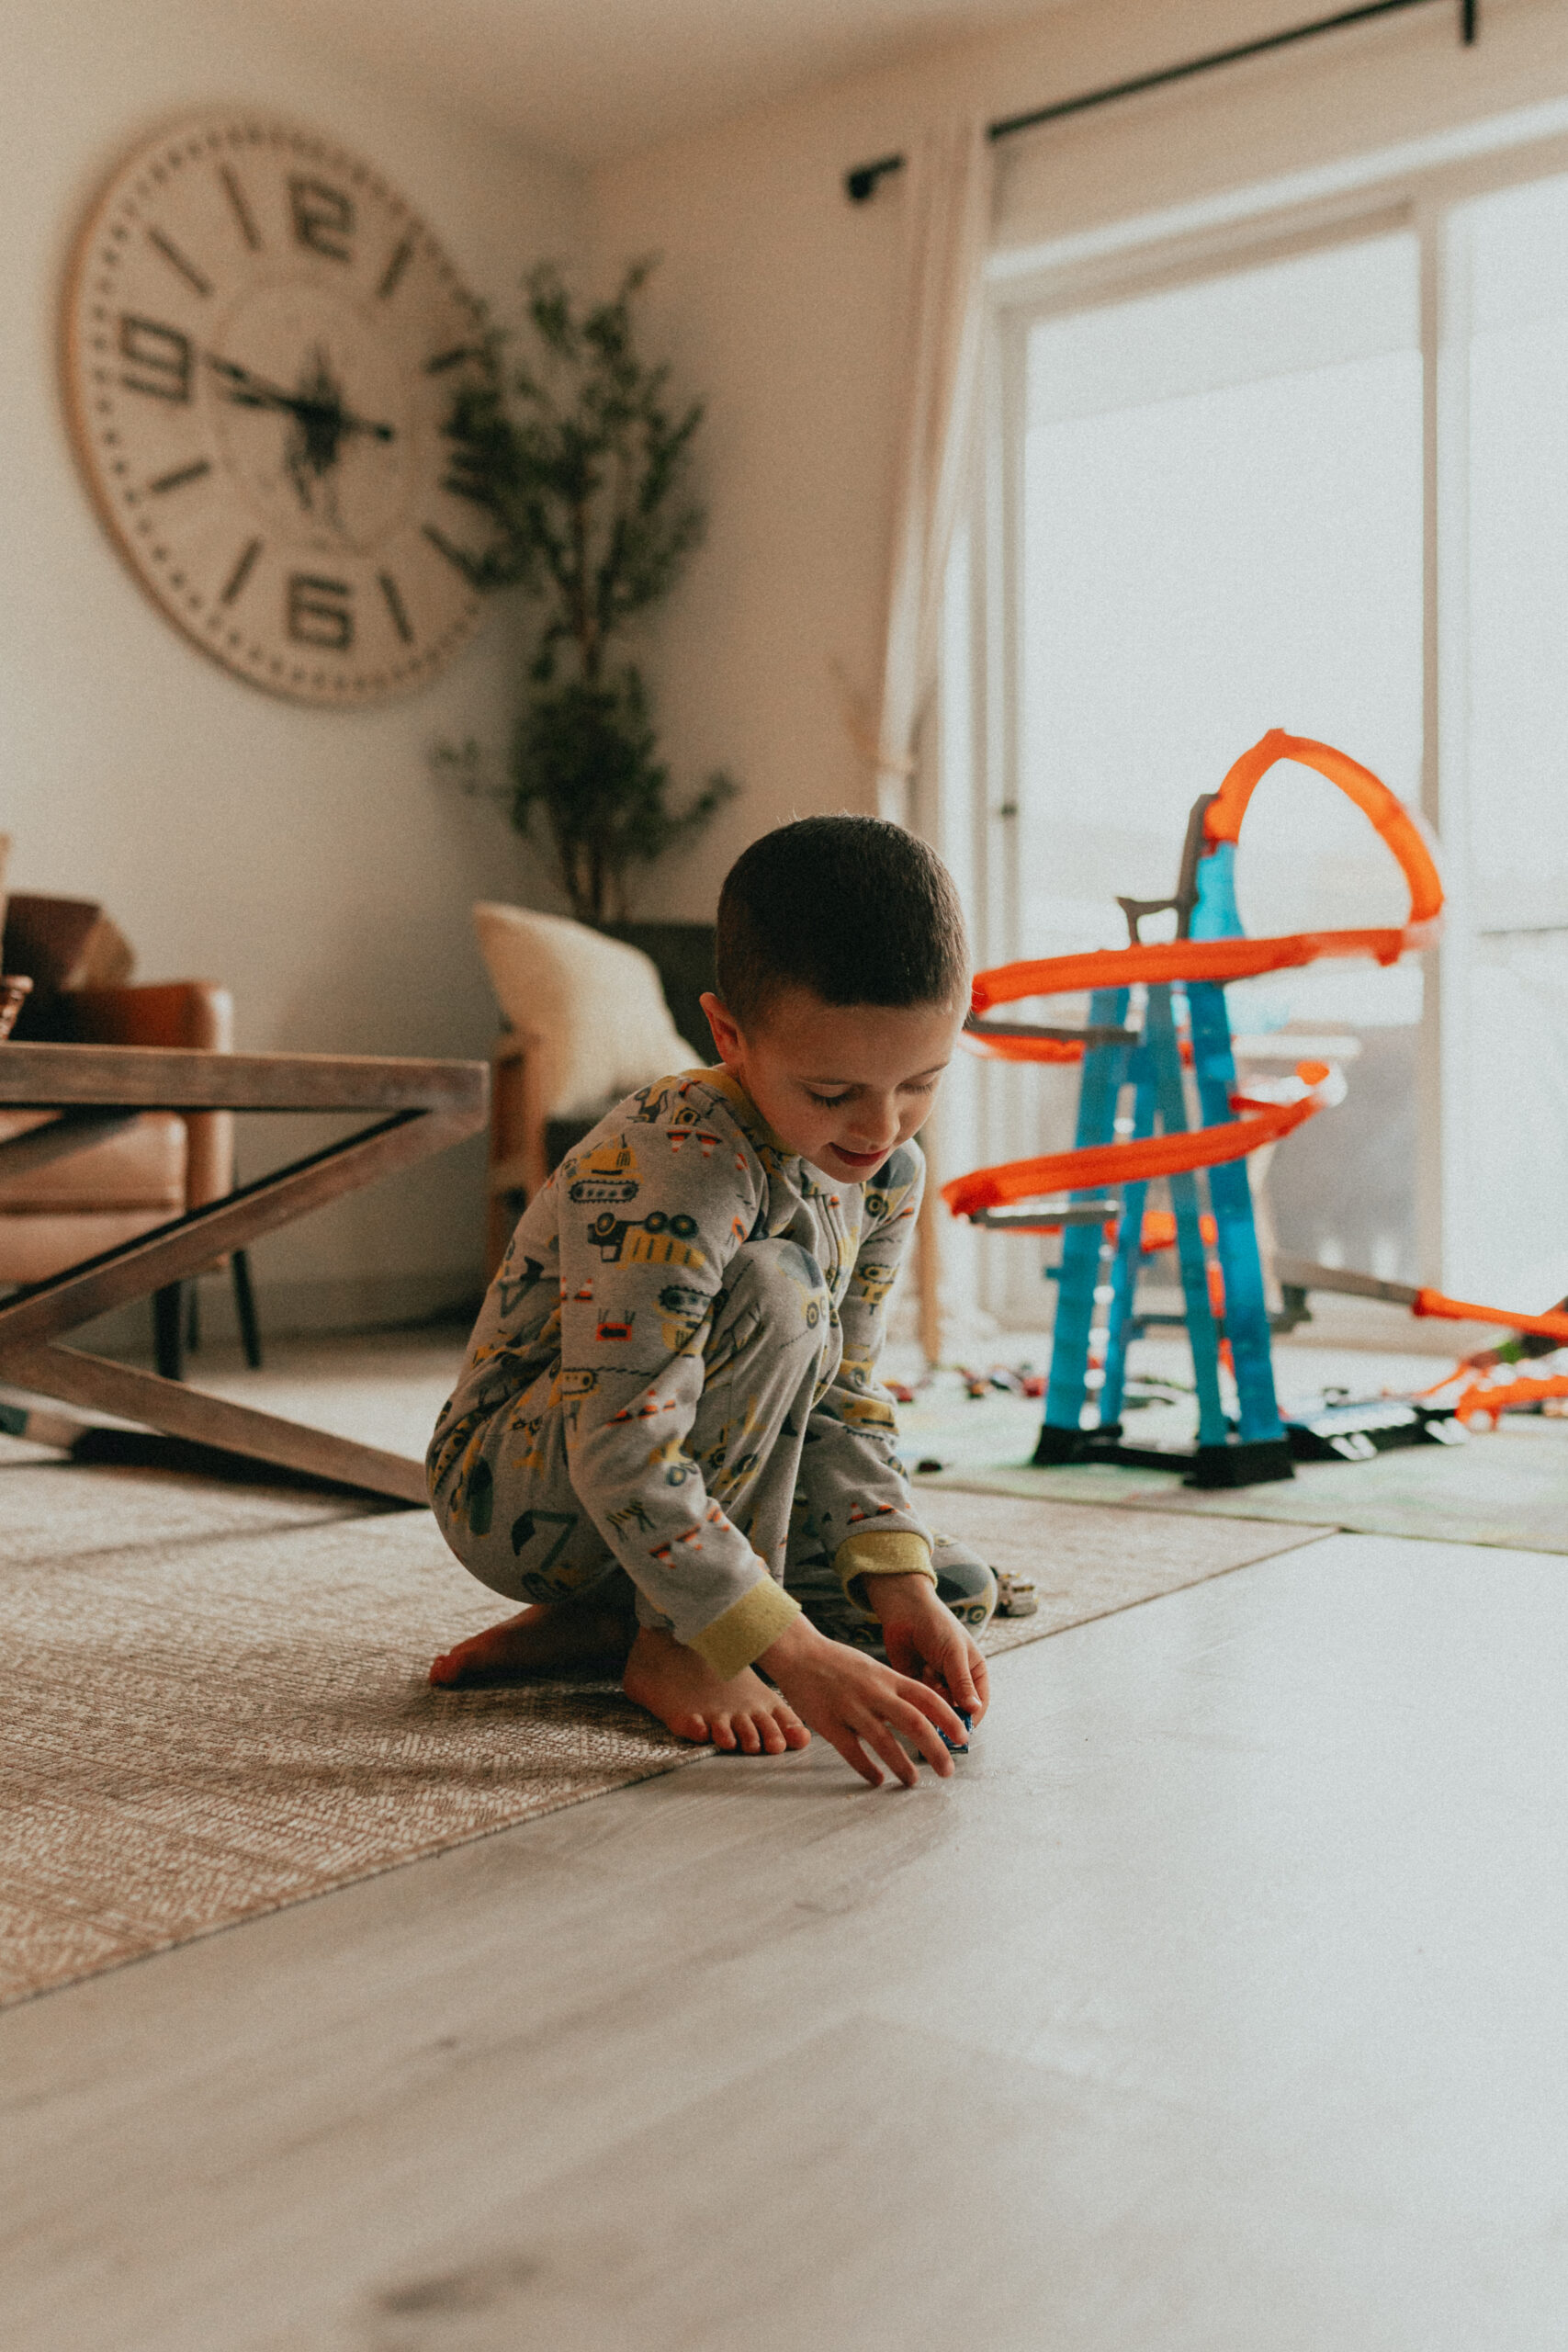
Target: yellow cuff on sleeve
[747, 1628]
[889, 1552]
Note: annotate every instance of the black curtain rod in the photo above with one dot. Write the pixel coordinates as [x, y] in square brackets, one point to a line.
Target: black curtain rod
[859, 183]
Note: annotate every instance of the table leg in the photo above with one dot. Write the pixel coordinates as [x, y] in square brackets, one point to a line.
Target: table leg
[32, 1320]
[75, 1378]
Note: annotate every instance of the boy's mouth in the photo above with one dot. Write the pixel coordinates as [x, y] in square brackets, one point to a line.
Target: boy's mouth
[859, 1158]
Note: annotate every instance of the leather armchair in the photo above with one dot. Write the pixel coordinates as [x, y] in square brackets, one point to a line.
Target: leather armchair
[166, 1163]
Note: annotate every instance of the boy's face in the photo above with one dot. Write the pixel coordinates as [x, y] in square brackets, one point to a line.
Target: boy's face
[839, 1083]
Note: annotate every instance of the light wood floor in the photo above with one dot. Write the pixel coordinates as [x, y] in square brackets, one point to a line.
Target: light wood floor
[1218, 2007]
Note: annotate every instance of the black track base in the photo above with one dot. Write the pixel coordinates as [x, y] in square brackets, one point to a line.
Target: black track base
[1054, 1445]
[1346, 1428]
[1255, 1464]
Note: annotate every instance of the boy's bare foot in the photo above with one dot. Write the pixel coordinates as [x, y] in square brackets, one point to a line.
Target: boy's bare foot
[546, 1639]
[673, 1683]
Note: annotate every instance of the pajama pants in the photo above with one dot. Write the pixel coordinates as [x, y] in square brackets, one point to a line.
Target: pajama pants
[749, 1441]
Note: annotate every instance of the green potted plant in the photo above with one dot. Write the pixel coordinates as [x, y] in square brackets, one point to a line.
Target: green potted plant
[578, 462]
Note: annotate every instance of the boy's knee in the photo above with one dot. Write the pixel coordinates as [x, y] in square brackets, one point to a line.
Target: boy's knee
[963, 1581]
[526, 1540]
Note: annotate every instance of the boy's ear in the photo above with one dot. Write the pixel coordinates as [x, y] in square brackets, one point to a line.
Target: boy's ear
[726, 1034]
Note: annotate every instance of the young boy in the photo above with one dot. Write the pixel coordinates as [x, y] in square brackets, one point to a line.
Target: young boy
[669, 1425]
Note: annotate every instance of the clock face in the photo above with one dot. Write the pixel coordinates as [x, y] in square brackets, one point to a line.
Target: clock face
[263, 342]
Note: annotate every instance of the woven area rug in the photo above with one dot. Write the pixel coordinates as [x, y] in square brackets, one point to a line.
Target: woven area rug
[216, 1701]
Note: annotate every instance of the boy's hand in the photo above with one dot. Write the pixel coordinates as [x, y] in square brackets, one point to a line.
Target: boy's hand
[923, 1638]
[857, 1703]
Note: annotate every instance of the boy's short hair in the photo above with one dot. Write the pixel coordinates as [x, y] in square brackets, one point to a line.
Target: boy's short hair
[854, 908]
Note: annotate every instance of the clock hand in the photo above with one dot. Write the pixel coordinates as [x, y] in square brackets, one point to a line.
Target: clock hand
[249, 390]
[349, 423]
[326, 414]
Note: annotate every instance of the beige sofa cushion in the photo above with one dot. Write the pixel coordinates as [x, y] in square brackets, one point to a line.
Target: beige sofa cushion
[590, 1010]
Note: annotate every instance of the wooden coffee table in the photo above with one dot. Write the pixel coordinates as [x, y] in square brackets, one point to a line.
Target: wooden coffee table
[420, 1107]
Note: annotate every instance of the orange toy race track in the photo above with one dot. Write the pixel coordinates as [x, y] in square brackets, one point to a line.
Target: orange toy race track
[1101, 1166]
[1196, 959]
[1116, 1154]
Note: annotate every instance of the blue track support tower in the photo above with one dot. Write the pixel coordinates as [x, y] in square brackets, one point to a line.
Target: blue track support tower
[1229, 1191]
[1129, 1247]
[1158, 1105]
[1160, 1023]
[1253, 1447]
[1104, 1075]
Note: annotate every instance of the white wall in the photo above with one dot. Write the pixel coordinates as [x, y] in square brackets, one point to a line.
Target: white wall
[778, 301]
[303, 857]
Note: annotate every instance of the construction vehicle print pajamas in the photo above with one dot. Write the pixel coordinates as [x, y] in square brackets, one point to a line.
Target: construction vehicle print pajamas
[673, 1379]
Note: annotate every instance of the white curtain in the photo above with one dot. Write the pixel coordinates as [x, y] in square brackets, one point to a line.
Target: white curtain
[948, 217]
[947, 200]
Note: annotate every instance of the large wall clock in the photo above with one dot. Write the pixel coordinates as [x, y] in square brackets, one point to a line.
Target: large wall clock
[262, 344]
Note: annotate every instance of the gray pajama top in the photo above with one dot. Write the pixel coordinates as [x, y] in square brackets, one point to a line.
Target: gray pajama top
[599, 1313]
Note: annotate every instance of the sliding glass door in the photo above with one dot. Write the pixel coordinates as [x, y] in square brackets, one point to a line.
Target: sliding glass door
[1318, 483]
[1506, 782]
[1222, 532]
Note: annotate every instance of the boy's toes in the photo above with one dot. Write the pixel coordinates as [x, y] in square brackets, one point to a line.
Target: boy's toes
[453, 1663]
[750, 1737]
[772, 1735]
[721, 1732]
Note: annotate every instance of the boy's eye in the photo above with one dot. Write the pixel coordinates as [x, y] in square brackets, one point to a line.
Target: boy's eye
[829, 1101]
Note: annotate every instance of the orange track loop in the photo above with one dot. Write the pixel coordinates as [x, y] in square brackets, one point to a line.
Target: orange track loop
[1126, 1163]
[1383, 809]
[1209, 959]
[1021, 1049]
[1457, 1310]
[1173, 959]
[1232, 959]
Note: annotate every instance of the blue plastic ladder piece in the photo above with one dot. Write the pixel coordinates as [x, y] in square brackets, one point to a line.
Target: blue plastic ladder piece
[1104, 1074]
[1159, 1031]
[1246, 1313]
[1130, 1243]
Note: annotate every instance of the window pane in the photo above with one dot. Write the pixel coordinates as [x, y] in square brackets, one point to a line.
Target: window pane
[1506, 1063]
[1222, 533]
